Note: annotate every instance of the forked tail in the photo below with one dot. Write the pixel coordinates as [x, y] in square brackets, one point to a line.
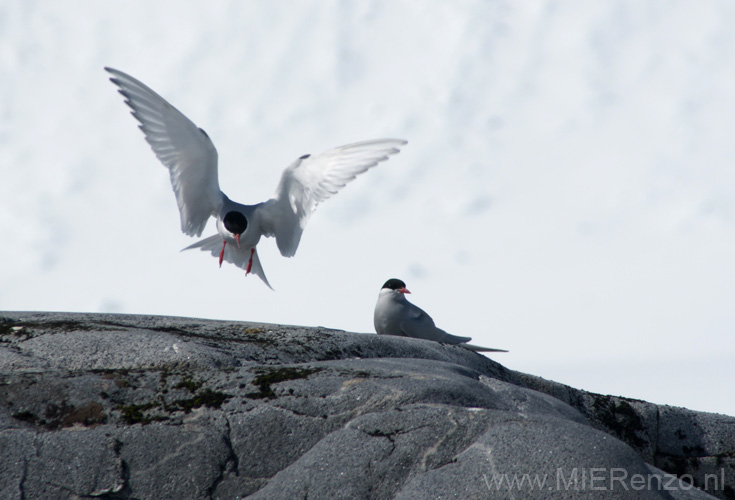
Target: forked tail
[241, 257]
[478, 348]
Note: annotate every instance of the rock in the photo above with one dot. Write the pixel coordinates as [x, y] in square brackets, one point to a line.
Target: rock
[698, 446]
[122, 406]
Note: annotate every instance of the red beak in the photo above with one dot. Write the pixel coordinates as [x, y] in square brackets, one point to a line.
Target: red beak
[237, 239]
[403, 290]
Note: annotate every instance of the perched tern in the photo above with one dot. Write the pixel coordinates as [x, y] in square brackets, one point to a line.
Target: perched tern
[187, 151]
[395, 315]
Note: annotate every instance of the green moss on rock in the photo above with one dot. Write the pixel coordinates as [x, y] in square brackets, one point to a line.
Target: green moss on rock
[270, 376]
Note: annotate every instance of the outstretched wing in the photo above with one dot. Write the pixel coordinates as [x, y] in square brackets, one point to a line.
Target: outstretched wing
[312, 179]
[233, 254]
[182, 147]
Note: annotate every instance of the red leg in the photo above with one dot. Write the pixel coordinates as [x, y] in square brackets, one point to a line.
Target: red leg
[250, 262]
[222, 253]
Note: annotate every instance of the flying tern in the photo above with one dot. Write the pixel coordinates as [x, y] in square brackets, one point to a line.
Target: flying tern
[191, 158]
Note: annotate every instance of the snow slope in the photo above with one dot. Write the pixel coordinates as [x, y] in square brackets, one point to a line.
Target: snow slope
[568, 190]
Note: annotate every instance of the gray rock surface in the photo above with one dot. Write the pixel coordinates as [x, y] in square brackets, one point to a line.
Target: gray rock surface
[141, 407]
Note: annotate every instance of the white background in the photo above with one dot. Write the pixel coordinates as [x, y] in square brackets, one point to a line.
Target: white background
[568, 190]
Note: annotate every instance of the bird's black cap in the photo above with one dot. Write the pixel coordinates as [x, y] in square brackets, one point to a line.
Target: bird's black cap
[235, 222]
[394, 284]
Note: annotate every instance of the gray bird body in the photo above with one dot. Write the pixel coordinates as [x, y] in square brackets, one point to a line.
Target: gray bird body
[395, 315]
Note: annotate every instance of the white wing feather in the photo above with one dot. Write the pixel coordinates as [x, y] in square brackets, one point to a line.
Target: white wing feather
[312, 179]
[181, 146]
